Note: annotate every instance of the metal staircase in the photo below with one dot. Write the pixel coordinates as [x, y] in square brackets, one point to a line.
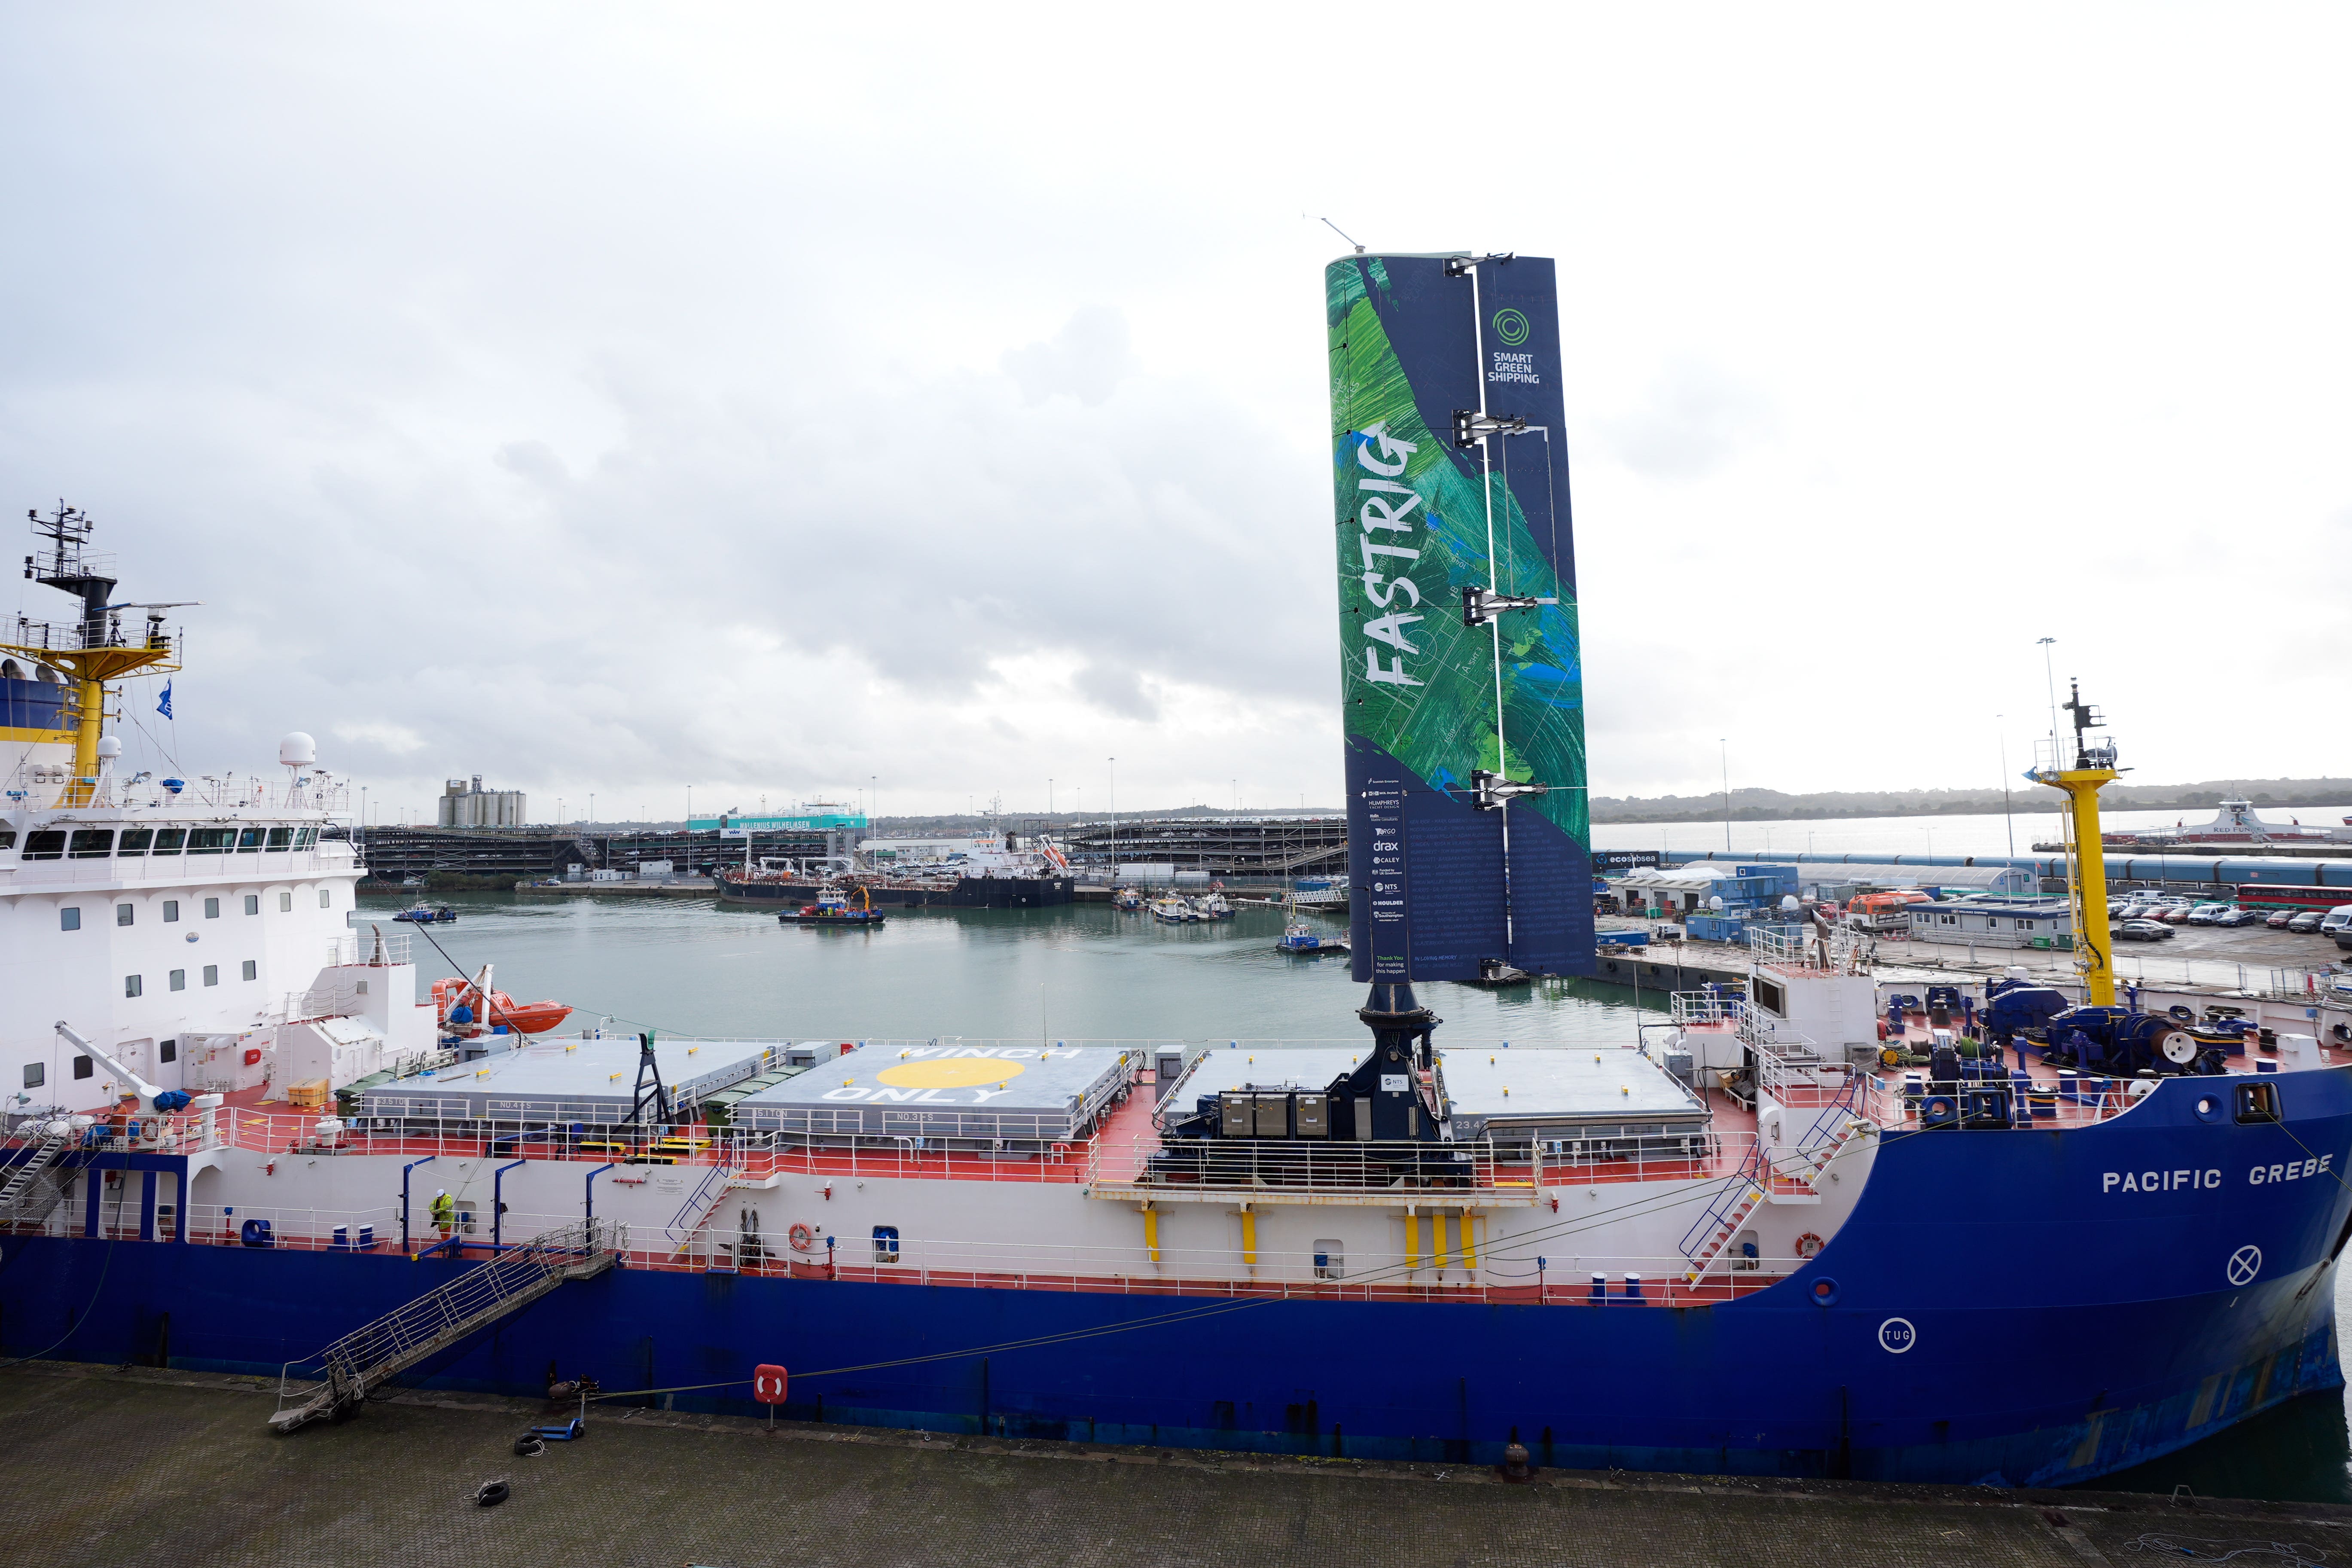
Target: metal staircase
[1794, 1178]
[32, 1190]
[368, 1356]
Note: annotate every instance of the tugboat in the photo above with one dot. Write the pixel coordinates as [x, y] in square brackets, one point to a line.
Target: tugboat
[429, 915]
[832, 908]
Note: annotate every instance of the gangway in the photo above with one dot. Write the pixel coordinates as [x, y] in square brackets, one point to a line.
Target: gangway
[370, 1355]
[28, 1178]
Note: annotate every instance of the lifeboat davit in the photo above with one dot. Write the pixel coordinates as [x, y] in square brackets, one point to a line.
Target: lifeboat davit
[523, 1017]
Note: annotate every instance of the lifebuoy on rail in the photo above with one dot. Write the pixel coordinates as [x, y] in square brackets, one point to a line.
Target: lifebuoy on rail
[803, 1238]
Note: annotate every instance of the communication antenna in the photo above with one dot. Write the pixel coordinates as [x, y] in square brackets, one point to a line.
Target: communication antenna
[1335, 228]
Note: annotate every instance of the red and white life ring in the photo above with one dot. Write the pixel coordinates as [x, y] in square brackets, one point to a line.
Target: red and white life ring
[1808, 1245]
[803, 1238]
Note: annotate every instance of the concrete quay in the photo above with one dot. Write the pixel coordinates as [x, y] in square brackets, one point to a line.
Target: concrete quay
[144, 1465]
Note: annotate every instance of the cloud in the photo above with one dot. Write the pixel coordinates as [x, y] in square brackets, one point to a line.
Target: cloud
[1085, 360]
[1119, 691]
[1696, 420]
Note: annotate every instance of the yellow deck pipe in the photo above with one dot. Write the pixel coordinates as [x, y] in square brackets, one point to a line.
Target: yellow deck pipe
[1249, 1238]
[1411, 1241]
[1469, 1240]
[1151, 1232]
[1437, 1249]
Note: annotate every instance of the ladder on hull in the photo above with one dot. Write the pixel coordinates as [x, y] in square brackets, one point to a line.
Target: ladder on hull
[375, 1353]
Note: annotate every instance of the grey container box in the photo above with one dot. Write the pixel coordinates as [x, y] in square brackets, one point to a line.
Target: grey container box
[1314, 1113]
[1272, 1118]
[1236, 1118]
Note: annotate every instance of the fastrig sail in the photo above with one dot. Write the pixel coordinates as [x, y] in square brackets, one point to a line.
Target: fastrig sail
[1469, 838]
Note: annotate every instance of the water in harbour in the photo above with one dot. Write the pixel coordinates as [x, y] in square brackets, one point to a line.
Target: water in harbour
[1087, 972]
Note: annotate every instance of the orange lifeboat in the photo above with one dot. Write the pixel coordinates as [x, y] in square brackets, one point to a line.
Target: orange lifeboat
[523, 1017]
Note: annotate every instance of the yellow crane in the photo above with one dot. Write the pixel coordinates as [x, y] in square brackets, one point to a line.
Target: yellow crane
[2094, 767]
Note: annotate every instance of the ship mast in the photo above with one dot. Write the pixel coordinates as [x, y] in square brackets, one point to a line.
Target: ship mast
[2092, 767]
[92, 649]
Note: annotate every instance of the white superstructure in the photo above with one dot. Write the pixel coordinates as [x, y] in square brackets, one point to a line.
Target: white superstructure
[198, 933]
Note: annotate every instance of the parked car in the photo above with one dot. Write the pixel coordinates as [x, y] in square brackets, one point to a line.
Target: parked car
[2307, 922]
[2206, 914]
[2142, 931]
[2175, 914]
[2241, 918]
[2337, 920]
[2279, 918]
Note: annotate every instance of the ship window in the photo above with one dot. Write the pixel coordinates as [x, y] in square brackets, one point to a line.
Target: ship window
[1330, 1262]
[93, 843]
[285, 903]
[45, 844]
[135, 841]
[886, 1243]
[210, 840]
[179, 983]
[35, 1074]
[82, 1067]
[70, 919]
[7, 838]
[168, 840]
[135, 986]
[249, 839]
[253, 904]
[212, 974]
[252, 969]
[212, 909]
[169, 1051]
[126, 914]
[325, 897]
[309, 838]
[2258, 1102]
[280, 839]
[171, 912]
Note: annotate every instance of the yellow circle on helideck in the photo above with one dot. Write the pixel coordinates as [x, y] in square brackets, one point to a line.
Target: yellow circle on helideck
[949, 1072]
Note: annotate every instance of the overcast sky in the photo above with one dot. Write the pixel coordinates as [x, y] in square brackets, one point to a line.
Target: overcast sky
[621, 399]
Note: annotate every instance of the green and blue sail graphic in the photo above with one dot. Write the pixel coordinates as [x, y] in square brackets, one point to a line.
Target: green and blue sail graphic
[1433, 360]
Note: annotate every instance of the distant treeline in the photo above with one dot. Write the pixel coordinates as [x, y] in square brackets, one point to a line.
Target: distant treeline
[1775, 806]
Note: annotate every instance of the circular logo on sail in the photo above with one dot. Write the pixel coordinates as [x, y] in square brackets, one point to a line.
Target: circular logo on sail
[1511, 326]
[2244, 1263]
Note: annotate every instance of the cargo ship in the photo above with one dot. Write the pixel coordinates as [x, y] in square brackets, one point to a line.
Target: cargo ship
[1792, 1234]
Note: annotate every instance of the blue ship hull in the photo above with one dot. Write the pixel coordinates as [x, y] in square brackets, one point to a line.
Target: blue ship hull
[2010, 1308]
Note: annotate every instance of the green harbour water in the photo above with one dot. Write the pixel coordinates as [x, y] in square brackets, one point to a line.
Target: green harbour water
[1086, 972]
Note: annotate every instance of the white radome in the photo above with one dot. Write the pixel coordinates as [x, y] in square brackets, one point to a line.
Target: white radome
[298, 749]
[110, 746]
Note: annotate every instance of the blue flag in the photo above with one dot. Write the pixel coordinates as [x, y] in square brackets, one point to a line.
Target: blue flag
[164, 707]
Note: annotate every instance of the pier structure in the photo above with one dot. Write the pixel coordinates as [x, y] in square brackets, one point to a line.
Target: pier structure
[1246, 848]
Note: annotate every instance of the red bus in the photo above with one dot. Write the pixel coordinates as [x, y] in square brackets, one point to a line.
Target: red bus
[2291, 896]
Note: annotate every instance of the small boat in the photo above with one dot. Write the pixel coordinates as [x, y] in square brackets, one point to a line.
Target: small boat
[1169, 910]
[1493, 974]
[1212, 907]
[832, 908]
[1304, 940]
[1126, 899]
[428, 914]
[470, 1007]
